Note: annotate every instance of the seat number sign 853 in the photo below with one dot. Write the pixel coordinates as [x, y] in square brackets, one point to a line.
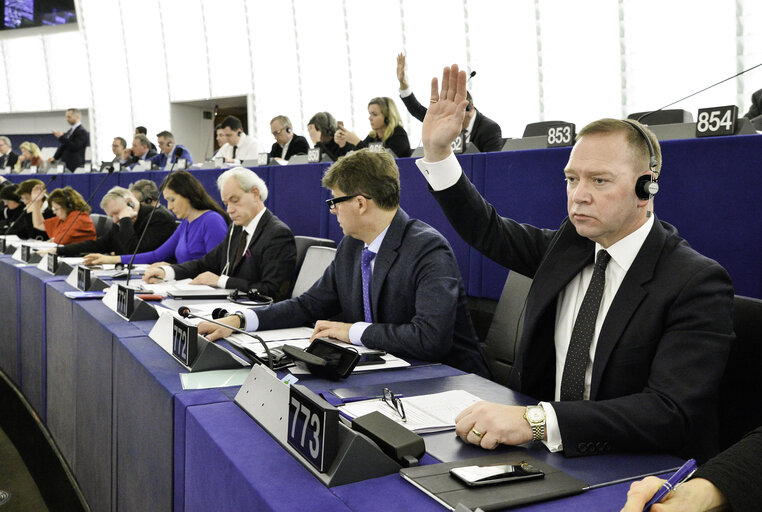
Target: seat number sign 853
[561, 134]
[715, 121]
[312, 427]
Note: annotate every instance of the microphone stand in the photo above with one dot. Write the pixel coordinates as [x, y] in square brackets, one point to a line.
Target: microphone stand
[184, 311]
[178, 152]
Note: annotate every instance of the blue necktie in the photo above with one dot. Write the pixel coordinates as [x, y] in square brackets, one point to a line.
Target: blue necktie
[367, 257]
[578, 356]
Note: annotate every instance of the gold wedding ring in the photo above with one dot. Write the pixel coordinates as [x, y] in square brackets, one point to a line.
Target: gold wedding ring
[433, 100]
[477, 433]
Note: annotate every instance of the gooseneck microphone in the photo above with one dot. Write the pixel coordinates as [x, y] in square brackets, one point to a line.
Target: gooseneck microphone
[79, 212]
[184, 311]
[45, 187]
[177, 153]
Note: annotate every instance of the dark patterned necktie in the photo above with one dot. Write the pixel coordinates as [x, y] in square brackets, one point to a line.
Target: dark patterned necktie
[367, 257]
[240, 252]
[578, 356]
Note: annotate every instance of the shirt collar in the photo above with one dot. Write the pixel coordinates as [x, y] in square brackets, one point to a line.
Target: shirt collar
[625, 250]
[252, 225]
[470, 127]
[375, 245]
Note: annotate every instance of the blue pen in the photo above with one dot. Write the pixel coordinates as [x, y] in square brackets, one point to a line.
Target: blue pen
[680, 476]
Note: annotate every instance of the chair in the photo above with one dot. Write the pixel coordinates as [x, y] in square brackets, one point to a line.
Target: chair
[103, 224]
[539, 129]
[305, 242]
[741, 385]
[505, 330]
[316, 260]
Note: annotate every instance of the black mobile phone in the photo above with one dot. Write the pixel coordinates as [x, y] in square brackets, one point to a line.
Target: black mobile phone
[475, 476]
[368, 358]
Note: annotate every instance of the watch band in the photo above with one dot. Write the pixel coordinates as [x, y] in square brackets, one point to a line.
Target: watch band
[241, 319]
[538, 431]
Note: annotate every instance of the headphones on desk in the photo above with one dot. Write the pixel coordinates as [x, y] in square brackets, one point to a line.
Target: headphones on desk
[250, 298]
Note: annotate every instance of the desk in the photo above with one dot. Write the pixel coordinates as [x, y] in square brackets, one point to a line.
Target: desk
[710, 189]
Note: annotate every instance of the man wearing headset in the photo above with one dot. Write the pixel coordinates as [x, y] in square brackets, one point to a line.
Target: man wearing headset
[145, 191]
[130, 219]
[167, 148]
[287, 143]
[627, 353]
[394, 284]
[259, 251]
[239, 146]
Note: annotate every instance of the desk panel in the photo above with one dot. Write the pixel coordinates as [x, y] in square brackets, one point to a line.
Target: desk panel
[10, 350]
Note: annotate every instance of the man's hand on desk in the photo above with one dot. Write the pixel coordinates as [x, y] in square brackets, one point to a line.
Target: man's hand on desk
[100, 259]
[336, 330]
[158, 264]
[154, 275]
[692, 496]
[207, 278]
[214, 332]
[489, 425]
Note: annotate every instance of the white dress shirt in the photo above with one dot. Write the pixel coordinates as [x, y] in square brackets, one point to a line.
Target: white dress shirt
[248, 149]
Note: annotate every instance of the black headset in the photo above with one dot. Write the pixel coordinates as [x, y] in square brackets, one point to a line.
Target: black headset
[69, 202]
[250, 298]
[646, 187]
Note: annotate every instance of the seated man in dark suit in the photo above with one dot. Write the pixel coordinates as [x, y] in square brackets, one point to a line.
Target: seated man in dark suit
[627, 330]
[394, 284]
[73, 143]
[258, 253]
[287, 143]
[755, 109]
[7, 157]
[140, 152]
[130, 219]
[479, 129]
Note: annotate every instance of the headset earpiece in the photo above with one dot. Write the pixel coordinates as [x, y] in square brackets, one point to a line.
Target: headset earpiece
[646, 187]
[288, 129]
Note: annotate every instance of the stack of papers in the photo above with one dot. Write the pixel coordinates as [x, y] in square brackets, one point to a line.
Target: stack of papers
[425, 413]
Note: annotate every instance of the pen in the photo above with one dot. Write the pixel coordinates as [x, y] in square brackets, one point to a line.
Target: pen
[680, 476]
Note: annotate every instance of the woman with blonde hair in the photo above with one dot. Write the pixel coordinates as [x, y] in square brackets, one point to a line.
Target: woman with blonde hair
[71, 222]
[30, 157]
[386, 127]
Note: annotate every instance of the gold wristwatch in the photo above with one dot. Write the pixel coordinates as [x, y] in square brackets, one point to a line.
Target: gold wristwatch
[535, 416]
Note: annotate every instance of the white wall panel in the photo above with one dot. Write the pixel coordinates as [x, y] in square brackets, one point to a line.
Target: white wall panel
[185, 46]
[27, 74]
[67, 68]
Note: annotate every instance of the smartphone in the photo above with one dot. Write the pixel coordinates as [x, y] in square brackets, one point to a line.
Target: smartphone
[475, 476]
[368, 358]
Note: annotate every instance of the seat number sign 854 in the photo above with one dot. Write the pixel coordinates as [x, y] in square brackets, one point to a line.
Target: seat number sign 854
[715, 121]
[312, 427]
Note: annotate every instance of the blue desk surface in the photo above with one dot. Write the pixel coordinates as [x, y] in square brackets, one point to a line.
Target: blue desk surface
[710, 191]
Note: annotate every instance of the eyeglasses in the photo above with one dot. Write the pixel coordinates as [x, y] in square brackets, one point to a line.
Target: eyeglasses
[336, 200]
[394, 402]
[277, 132]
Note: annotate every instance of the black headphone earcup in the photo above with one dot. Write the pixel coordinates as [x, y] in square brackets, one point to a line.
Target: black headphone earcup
[646, 187]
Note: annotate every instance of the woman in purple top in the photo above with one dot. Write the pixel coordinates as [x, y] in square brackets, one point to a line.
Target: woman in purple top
[204, 224]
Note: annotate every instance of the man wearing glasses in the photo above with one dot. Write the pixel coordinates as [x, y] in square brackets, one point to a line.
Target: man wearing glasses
[394, 284]
[287, 143]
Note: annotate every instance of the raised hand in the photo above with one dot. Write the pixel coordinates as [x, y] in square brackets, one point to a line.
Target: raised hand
[444, 118]
[401, 71]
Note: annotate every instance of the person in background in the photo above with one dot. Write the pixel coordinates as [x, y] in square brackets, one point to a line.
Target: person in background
[140, 152]
[142, 130]
[167, 148]
[238, 145]
[479, 129]
[30, 191]
[287, 143]
[30, 157]
[119, 146]
[12, 208]
[259, 252]
[385, 125]
[71, 222]
[203, 227]
[755, 109]
[145, 191]
[73, 143]
[322, 127]
[219, 136]
[130, 220]
[7, 156]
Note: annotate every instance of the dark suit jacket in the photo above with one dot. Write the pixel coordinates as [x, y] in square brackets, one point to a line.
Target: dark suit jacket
[24, 227]
[486, 135]
[72, 149]
[269, 264]
[756, 105]
[661, 351]
[8, 160]
[148, 157]
[736, 472]
[397, 142]
[417, 298]
[123, 237]
[298, 146]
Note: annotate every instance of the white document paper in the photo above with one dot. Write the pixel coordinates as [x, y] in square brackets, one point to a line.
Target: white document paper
[425, 413]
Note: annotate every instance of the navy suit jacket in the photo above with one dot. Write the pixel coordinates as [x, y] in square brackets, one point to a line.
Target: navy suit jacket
[72, 149]
[417, 298]
[486, 134]
[662, 349]
[269, 264]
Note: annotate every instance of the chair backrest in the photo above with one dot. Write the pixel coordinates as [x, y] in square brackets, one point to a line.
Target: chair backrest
[505, 330]
[305, 242]
[103, 223]
[539, 128]
[316, 260]
[742, 383]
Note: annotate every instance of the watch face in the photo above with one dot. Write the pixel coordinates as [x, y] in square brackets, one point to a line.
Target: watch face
[535, 414]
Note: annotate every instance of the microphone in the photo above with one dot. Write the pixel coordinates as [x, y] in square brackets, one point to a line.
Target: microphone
[697, 92]
[79, 212]
[178, 151]
[471, 75]
[33, 200]
[184, 311]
